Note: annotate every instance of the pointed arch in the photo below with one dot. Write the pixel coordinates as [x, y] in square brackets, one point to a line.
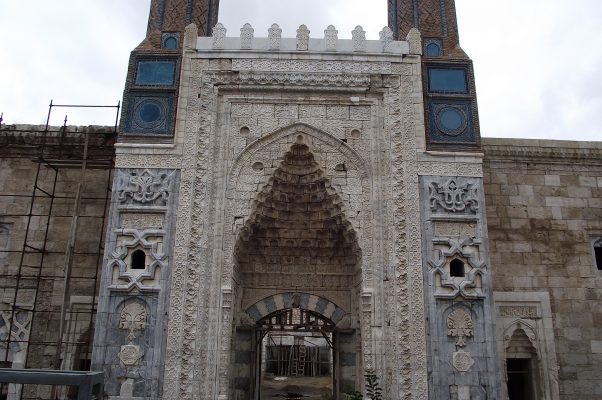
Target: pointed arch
[530, 332]
[304, 301]
[293, 130]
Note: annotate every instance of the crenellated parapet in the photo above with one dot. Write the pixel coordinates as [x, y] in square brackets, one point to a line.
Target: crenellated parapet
[326, 42]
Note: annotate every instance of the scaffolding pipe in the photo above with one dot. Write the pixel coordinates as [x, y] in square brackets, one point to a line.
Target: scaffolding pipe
[69, 254]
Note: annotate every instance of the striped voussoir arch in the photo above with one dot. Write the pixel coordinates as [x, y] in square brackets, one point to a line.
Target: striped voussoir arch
[304, 301]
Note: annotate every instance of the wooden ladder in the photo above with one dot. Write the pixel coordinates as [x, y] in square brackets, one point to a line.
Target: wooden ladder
[301, 361]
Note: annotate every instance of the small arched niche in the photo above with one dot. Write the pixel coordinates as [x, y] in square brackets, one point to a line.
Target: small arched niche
[138, 259]
[457, 268]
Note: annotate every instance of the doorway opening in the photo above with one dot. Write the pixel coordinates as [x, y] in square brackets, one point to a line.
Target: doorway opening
[297, 355]
[521, 367]
[519, 379]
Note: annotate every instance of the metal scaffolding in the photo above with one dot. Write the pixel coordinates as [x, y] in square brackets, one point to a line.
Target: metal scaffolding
[42, 315]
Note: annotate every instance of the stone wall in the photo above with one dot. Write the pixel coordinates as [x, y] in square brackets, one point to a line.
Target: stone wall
[40, 279]
[544, 211]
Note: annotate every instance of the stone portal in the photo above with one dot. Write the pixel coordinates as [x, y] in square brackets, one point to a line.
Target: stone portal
[298, 240]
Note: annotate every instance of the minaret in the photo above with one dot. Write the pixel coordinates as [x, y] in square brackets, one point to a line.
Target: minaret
[151, 89]
[172, 16]
[451, 115]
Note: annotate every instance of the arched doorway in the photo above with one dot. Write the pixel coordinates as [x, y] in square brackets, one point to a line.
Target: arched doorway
[295, 257]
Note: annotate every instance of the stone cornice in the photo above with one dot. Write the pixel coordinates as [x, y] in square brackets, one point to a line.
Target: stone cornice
[542, 150]
[28, 140]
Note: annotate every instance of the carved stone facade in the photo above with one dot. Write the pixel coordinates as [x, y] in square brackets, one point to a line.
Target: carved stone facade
[276, 203]
[335, 188]
[293, 182]
[257, 156]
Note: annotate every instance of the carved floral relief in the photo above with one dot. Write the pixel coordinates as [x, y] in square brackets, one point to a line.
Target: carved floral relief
[453, 197]
[144, 188]
[459, 324]
[133, 318]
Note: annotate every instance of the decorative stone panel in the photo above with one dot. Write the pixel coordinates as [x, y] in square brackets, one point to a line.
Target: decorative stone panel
[129, 341]
[360, 119]
[458, 294]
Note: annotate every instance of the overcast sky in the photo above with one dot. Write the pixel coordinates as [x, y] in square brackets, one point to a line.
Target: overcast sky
[538, 63]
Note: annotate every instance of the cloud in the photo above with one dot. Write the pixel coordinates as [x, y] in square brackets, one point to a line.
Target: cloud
[534, 61]
[537, 62]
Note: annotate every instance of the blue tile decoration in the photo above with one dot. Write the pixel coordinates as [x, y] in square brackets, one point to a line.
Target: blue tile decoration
[321, 305]
[337, 315]
[170, 40]
[270, 304]
[447, 80]
[451, 122]
[189, 12]
[304, 301]
[150, 113]
[288, 300]
[254, 313]
[433, 48]
[155, 73]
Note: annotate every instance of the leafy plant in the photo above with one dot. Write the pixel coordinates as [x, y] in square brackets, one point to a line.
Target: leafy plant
[353, 394]
[372, 386]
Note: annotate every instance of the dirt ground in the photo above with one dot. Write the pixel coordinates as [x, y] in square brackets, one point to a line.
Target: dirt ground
[287, 387]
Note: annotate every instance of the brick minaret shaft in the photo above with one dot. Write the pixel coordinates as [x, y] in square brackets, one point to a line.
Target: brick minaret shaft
[174, 15]
[433, 18]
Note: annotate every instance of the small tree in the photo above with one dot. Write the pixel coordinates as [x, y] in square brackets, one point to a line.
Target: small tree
[373, 388]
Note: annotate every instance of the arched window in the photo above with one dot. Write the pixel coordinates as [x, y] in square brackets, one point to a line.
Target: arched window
[433, 49]
[598, 253]
[456, 268]
[138, 260]
[170, 43]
